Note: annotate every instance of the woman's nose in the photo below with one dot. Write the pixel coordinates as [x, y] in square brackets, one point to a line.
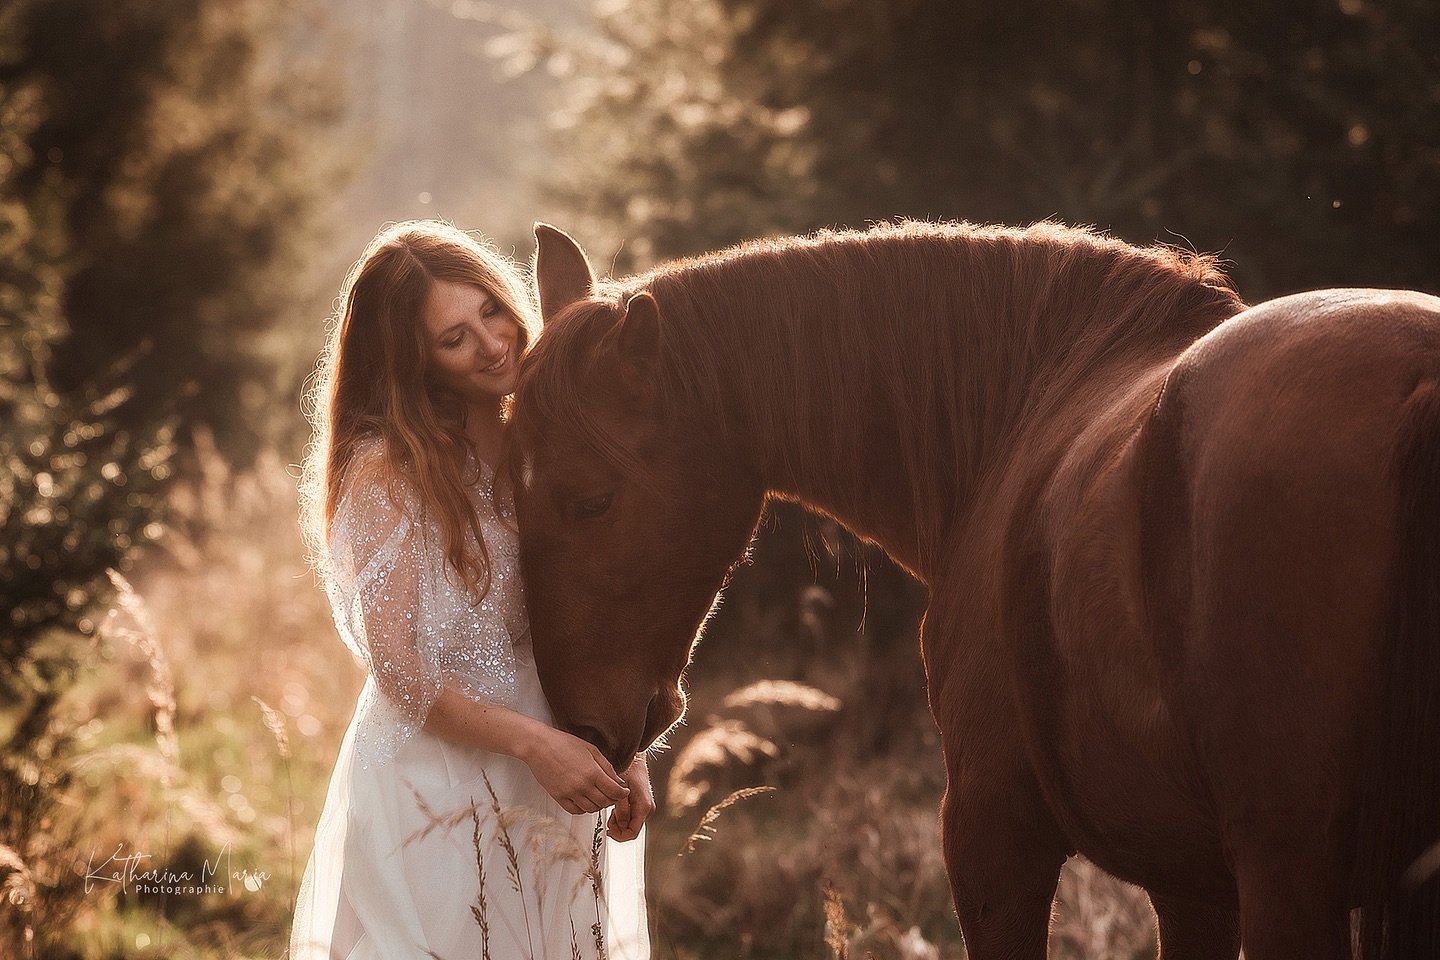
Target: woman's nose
[490, 342]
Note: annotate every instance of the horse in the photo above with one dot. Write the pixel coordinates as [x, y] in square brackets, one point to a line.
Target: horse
[1182, 553]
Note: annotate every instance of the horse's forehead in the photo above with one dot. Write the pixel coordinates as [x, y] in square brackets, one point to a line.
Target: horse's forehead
[588, 316]
[570, 345]
[548, 444]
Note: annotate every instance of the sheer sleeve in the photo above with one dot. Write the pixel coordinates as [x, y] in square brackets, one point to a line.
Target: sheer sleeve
[374, 581]
[404, 613]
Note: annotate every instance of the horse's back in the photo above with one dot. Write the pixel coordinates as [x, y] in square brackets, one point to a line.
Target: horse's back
[1266, 464]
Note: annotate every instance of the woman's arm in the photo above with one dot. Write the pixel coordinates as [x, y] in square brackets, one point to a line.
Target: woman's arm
[572, 771]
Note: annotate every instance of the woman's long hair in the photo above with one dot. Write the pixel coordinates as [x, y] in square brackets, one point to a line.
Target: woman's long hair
[372, 382]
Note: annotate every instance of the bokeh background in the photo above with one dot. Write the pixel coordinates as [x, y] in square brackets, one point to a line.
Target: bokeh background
[183, 185]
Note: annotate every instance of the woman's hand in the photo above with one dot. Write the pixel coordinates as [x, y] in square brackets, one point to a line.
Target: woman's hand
[632, 811]
[573, 772]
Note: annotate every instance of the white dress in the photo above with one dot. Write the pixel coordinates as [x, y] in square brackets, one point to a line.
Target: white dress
[426, 847]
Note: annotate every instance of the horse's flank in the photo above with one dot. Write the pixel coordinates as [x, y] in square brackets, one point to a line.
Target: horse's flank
[940, 339]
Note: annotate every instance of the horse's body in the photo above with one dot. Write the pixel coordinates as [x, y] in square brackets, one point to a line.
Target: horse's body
[1182, 555]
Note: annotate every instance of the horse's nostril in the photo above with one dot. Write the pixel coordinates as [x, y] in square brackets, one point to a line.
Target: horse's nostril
[618, 758]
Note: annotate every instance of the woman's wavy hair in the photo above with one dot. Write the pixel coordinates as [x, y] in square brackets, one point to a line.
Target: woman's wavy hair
[372, 381]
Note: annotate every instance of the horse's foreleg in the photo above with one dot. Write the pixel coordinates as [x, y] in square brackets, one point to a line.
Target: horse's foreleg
[1003, 846]
[1192, 930]
[1003, 854]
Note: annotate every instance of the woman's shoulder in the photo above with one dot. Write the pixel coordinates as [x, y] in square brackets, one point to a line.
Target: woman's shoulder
[371, 476]
[372, 459]
[369, 453]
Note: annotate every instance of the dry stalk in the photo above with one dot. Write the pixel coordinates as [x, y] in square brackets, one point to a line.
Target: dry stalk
[837, 927]
[705, 830]
[782, 693]
[715, 746]
[160, 689]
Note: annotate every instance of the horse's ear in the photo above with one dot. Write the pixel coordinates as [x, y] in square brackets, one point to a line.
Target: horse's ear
[636, 334]
[562, 272]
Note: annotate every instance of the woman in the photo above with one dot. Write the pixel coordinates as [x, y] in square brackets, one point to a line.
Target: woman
[459, 822]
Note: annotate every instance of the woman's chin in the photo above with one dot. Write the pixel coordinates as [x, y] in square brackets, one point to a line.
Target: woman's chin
[492, 388]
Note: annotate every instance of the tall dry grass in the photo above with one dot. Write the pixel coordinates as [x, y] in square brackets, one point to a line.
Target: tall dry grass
[174, 754]
[790, 825]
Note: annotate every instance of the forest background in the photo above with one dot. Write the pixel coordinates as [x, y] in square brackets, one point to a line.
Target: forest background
[183, 185]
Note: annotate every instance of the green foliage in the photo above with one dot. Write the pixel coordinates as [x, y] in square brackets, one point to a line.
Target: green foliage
[75, 494]
[1301, 141]
[179, 140]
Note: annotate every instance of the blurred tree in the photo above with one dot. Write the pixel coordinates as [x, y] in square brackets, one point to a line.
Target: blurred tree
[179, 139]
[1304, 141]
[76, 497]
[76, 493]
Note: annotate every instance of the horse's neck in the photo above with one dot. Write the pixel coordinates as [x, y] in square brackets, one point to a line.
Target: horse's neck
[880, 398]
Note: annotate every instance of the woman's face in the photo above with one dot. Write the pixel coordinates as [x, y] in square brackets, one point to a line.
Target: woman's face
[472, 341]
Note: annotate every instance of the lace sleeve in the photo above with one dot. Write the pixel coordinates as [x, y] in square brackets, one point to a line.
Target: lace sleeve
[374, 580]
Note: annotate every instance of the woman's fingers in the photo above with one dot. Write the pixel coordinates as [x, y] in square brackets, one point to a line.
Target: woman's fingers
[600, 798]
[613, 790]
[624, 823]
[605, 766]
[603, 779]
[597, 794]
[582, 803]
[619, 817]
[579, 787]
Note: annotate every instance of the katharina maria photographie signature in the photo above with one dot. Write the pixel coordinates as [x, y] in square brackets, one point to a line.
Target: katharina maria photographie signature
[133, 871]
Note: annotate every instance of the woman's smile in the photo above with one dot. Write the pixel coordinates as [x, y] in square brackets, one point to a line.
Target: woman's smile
[499, 364]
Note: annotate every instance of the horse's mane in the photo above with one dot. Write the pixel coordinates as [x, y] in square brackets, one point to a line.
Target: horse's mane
[955, 327]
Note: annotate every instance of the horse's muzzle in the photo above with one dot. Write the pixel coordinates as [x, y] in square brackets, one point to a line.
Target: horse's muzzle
[619, 757]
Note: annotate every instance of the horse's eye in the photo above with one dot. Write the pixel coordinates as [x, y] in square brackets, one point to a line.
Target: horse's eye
[592, 506]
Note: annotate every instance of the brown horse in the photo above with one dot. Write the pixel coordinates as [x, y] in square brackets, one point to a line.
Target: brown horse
[1183, 557]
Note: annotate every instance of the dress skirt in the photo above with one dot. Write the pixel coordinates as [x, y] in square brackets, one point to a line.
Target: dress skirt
[456, 853]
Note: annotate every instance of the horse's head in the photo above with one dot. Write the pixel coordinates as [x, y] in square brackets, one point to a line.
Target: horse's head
[632, 508]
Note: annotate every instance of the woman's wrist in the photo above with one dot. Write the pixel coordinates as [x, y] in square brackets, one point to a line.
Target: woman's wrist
[529, 738]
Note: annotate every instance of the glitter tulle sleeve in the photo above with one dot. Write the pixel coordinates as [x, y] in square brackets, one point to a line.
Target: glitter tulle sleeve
[401, 611]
